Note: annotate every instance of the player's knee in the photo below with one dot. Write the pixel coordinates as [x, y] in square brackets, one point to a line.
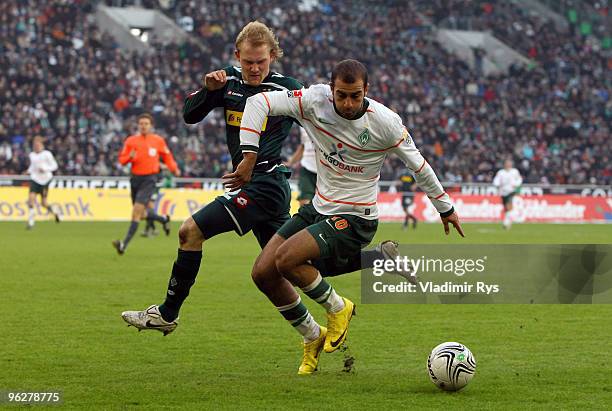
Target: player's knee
[259, 275]
[264, 275]
[282, 259]
[189, 234]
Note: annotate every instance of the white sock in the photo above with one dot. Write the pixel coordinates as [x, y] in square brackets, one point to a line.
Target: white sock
[31, 217]
[309, 329]
[323, 293]
[301, 319]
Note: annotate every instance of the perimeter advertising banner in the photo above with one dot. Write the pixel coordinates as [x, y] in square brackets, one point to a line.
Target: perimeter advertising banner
[80, 204]
[90, 204]
[547, 208]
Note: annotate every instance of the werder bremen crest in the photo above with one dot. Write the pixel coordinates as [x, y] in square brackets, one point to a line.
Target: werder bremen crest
[364, 137]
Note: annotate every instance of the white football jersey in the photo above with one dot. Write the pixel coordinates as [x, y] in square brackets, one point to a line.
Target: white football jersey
[507, 181]
[42, 166]
[349, 154]
[309, 161]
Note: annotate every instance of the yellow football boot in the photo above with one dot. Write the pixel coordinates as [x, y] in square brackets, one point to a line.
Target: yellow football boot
[311, 354]
[337, 326]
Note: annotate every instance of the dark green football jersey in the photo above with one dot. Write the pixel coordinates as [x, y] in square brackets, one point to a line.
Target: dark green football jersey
[232, 97]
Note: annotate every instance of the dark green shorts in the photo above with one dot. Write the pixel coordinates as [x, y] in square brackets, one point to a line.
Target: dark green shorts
[261, 206]
[307, 183]
[43, 190]
[340, 237]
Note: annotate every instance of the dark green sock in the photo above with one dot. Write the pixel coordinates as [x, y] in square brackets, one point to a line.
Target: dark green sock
[184, 272]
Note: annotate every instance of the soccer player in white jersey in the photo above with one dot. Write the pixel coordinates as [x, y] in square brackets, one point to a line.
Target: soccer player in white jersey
[352, 135]
[508, 180]
[305, 156]
[42, 166]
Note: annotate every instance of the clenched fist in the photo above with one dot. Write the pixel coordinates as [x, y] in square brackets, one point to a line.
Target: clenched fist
[215, 80]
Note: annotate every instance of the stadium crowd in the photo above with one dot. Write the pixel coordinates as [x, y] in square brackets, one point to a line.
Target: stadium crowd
[63, 78]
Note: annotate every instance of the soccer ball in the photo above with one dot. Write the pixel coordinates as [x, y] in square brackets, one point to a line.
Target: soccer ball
[451, 366]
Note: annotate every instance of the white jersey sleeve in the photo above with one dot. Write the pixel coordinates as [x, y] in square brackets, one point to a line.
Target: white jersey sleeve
[518, 180]
[289, 103]
[425, 177]
[51, 164]
[497, 178]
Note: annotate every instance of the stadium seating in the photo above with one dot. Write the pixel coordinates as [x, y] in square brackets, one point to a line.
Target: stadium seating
[63, 78]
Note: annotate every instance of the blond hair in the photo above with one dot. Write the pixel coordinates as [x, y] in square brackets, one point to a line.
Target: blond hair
[39, 139]
[256, 34]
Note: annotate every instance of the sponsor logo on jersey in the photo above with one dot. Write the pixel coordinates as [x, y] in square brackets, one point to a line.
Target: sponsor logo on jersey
[364, 137]
[294, 93]
[233, 93]
[336, 150]
[234, 118]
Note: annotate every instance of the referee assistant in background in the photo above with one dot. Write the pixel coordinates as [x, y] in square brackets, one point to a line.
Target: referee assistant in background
[143, 151]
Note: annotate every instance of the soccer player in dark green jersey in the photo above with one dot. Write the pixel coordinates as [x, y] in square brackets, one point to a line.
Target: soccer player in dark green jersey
[262, 207]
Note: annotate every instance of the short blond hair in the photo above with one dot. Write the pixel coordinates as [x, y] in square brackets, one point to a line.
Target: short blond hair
[39, 139]
[257, 33]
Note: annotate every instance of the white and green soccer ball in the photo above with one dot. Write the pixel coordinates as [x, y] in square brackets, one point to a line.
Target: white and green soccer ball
[451, 366]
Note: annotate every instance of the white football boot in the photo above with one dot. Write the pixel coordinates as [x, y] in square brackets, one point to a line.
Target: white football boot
[149, 319]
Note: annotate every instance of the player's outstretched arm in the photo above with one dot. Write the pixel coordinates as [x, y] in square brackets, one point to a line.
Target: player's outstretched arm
[425, 177]
[257, 108]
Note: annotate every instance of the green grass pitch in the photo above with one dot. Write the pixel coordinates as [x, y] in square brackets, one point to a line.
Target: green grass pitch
[63, 288]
